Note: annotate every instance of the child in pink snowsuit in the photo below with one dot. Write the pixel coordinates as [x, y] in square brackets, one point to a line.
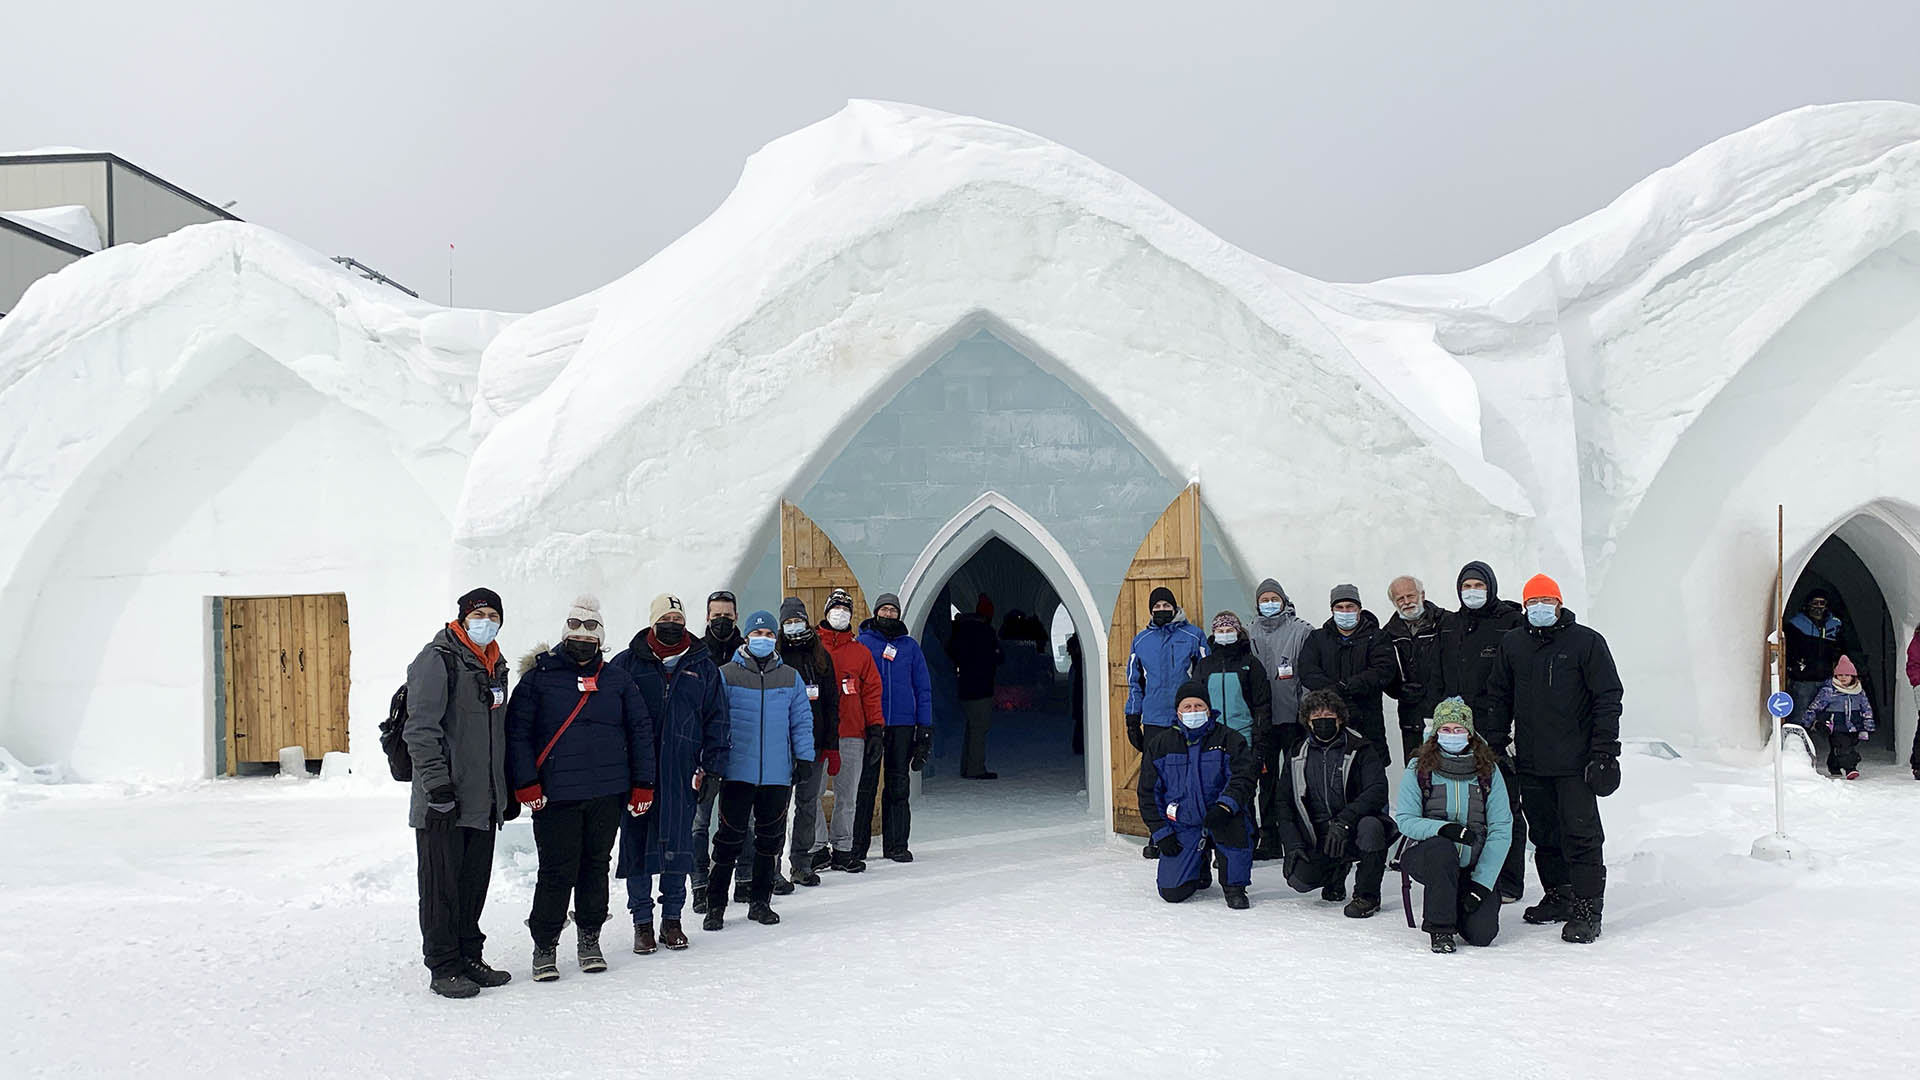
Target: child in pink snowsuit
[1842, 708]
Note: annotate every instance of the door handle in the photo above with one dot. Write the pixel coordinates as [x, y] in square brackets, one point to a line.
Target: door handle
[283, 661]
[303, 659]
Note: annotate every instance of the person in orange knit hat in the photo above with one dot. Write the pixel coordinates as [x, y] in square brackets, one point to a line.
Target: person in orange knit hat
[1555, 702]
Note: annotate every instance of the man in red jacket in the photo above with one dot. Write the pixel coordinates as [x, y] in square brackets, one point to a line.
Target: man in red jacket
[861, 725]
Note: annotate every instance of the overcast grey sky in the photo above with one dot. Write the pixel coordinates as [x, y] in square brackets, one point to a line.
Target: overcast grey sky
[561, 144]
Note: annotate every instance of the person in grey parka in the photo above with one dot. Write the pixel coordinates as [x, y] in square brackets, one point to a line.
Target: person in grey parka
[457, 740]
[1277, 635]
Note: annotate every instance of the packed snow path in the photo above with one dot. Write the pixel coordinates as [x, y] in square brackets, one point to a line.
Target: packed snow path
[268, 927]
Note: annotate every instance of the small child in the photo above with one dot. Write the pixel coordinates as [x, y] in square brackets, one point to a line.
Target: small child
[1842, 708]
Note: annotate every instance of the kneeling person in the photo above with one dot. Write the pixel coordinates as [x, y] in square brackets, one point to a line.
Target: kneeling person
[1453, 810]
[1196, 793]
[1331, 806]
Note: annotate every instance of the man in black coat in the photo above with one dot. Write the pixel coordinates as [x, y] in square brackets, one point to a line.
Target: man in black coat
[1350, 655]
[723, 639]
[1414, 634]
[1469, 642]
[1330, 805]
[1556, 700]
[976, 654]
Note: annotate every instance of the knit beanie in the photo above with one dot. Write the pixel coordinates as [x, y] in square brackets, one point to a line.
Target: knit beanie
[586, 607]
[1540, 587]
[885, 599]
[1271, 586]
[1192, 688]
[1159, 594]
[1343, 592]
[1454, 711]
[480, 598]
[793, 608]
[1844, 666]
[760, 620]
[664, 603]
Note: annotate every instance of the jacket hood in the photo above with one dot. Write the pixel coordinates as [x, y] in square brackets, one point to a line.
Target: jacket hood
[528, 661]
[1484, 572]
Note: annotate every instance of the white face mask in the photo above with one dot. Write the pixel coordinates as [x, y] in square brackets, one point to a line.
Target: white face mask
[839, 618]
[795, 629]
[1195, 718]
[1226, 637]
[481, 631]
[1473, 599]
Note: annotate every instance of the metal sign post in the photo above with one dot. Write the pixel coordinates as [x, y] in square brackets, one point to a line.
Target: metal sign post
[1779, 847]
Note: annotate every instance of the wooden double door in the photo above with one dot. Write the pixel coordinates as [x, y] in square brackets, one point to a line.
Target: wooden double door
[286, 678]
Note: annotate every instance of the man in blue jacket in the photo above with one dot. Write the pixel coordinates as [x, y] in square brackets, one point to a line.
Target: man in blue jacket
[681, 686]
[772, 749]
[1161, 659]
[906, 702]
[1196, 794]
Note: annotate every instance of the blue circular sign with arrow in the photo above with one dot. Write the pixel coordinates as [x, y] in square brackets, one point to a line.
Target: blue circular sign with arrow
[1780, 704]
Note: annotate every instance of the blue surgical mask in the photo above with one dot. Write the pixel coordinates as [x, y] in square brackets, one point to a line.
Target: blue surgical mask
[1542, 614]
[481, 631]
[1346, 620]
[1473, 599]
[1195, 718]
[1453, 741]
[1270, 608]
[761, 647]
[1226, 637]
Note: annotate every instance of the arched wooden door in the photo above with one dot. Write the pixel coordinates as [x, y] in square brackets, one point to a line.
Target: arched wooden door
[1169, 556]
[811, 567]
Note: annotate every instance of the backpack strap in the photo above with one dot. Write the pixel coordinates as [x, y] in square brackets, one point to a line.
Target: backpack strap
[581, 704]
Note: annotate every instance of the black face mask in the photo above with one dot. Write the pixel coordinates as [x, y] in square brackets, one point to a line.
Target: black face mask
[890, 627]
[1324, 728]
[1162, 618]
[579, 651]
[719, 628]
[669, 633]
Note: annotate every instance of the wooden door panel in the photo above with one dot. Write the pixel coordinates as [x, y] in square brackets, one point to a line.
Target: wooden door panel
[287, 676]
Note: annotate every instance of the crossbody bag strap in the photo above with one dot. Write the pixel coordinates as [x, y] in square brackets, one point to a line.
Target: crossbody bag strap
[581, 704]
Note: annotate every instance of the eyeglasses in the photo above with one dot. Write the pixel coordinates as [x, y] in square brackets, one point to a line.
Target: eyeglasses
[583, 624]
[721, 595]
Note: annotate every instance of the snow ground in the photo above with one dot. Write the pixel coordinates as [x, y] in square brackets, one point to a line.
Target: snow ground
[268, 927]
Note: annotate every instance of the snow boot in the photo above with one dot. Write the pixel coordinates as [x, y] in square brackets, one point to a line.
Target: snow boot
[546, 967]
[740, 891]
[781, 885]
[803, 876]
[1556, 906]
[902, 856]
[479, 971]
[1443, 942]
[844, 862]
[1236, 897]
[457, 985]
[700, 899]
[762, 912]
[1151, 851]
[717, 884]
[1334, 891]
[1362, 907]
[1583, 926]
[716, 919]
[1853, 774]
[822, 859]
[591, 958]
[672, 936]
[643, 940]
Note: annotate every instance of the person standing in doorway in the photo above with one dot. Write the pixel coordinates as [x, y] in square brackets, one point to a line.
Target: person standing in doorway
[1913, 680]
[861, 733]
[1333, 806]
[976, 654]
[1237, 687]
[579, 751]
[1161, 659]
[1414, 635]
[1352, 657]
[1077, 693]
[681, 685]
[1841, 709]
[723, 640]
[1453, 810]
[1196, 787]
[1469, 641]
[771, 751]
[906, 703]
[802, 650]
[457, 740]
[1556, 701]
[1278, 637]
[1813, 646]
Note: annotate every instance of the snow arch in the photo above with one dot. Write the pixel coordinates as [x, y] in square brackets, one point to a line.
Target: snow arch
[994, 515]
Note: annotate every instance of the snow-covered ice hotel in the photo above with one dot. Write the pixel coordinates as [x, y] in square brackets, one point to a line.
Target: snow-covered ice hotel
[933, 355]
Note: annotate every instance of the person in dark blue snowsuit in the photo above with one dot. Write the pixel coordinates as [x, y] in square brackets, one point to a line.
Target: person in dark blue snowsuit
[1196, 795]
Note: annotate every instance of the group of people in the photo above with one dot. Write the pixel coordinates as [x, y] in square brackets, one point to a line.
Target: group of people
[680, 749]
[1829, 698]
[1268, 741]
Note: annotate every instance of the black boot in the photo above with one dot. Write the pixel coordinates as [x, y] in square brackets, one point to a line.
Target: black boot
[762, 912]
[457, 985]
[1236, 897]
[480, 972]
[546, 964]
[1583, 926]
[1555, 906]
[700, 899]
[591, 958]
[1443, 942]
[719, 880]
[1151, 851]
[1362, 907]
[846, 863]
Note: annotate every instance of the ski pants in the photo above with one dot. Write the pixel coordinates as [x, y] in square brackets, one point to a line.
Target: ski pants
[1264, 801]
[1180, 876]
[764, 808]
[896, 813]
[1563, 816]
[1435, 864]
[1513, 873]
[1367, 848]
[574, 840]
[1843, 751]
[455, 867]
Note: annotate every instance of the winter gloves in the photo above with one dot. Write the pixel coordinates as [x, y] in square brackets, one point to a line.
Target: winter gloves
[876, 746]
[802, 772]
[833, 762]
[1169, 845]
[1219, 816]
[922, 748]
[1134, 733]
[1334, 844]
[1603, 774]
[639, 801]
[1460, 834]
[1476, 895]
[441, 806]
[531, 797]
